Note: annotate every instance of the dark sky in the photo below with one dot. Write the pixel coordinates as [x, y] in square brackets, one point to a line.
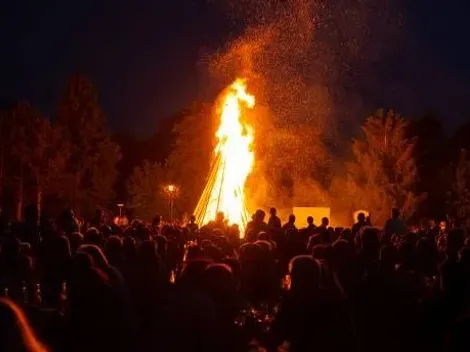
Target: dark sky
[142, 55]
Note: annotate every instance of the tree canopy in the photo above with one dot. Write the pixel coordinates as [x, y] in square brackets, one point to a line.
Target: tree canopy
[75, 161]
[91, 164]
[383, 171]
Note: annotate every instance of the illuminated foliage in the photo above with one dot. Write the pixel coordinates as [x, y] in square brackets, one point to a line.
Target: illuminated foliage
[383, 173]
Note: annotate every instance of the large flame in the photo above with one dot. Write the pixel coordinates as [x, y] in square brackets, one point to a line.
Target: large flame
[233, 162]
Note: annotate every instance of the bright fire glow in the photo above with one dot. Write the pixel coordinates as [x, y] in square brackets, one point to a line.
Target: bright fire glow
[233, 162]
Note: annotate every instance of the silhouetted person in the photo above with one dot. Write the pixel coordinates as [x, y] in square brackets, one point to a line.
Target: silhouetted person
[96, 321]
[311, 317]
[220, 222]
[361, 222]
[256, 226]
[322, 230]
[290, 224]
[310, 223]
[274, 222]
[192, 228]
[308, 231]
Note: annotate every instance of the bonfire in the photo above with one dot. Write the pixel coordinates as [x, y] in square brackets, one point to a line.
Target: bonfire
[232, 163]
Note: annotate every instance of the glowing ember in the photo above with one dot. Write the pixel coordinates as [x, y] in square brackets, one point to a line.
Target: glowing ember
[233, 162]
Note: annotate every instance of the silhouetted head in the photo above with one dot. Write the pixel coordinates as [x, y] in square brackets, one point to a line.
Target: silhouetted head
[310, 220]
[273, 211]
[93, 236]
[218, 280]
[325, 221]
[361, 218]
[395, 213]
[292, 218]
[220, 217]
[263, 236]
[192, 219]
[192, 273]
[313, 241]
[99, 259]
[304, 273]
[260, 215]
[114, 243]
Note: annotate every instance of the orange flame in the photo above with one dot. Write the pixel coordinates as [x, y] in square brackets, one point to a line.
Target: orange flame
[233, 162]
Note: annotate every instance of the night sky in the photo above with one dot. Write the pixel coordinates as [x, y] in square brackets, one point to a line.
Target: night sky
[143, 56]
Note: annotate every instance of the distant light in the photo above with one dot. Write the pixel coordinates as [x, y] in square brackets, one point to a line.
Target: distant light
[171, 188]
[120, 205]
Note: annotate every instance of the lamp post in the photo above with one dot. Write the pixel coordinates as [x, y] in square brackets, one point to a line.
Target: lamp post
[171, 190]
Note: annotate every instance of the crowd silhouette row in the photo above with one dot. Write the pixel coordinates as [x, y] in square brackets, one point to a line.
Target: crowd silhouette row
[69, 286]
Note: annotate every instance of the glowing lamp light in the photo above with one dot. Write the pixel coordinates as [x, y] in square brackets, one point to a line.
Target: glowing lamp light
[171, 188]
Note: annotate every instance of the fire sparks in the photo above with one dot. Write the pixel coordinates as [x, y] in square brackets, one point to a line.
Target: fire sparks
[233, 162]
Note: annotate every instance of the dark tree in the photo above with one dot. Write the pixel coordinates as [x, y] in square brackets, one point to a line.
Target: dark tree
[146, 189]
[431, 155]
[459, 194]
[93, 156]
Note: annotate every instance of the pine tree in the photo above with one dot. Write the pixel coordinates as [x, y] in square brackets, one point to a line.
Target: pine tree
[383, 173]
[93, 156]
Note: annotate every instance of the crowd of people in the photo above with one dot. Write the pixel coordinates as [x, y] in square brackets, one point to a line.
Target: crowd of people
[70, 286]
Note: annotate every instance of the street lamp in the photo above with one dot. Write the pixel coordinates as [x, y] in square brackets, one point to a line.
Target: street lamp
[171, 190]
